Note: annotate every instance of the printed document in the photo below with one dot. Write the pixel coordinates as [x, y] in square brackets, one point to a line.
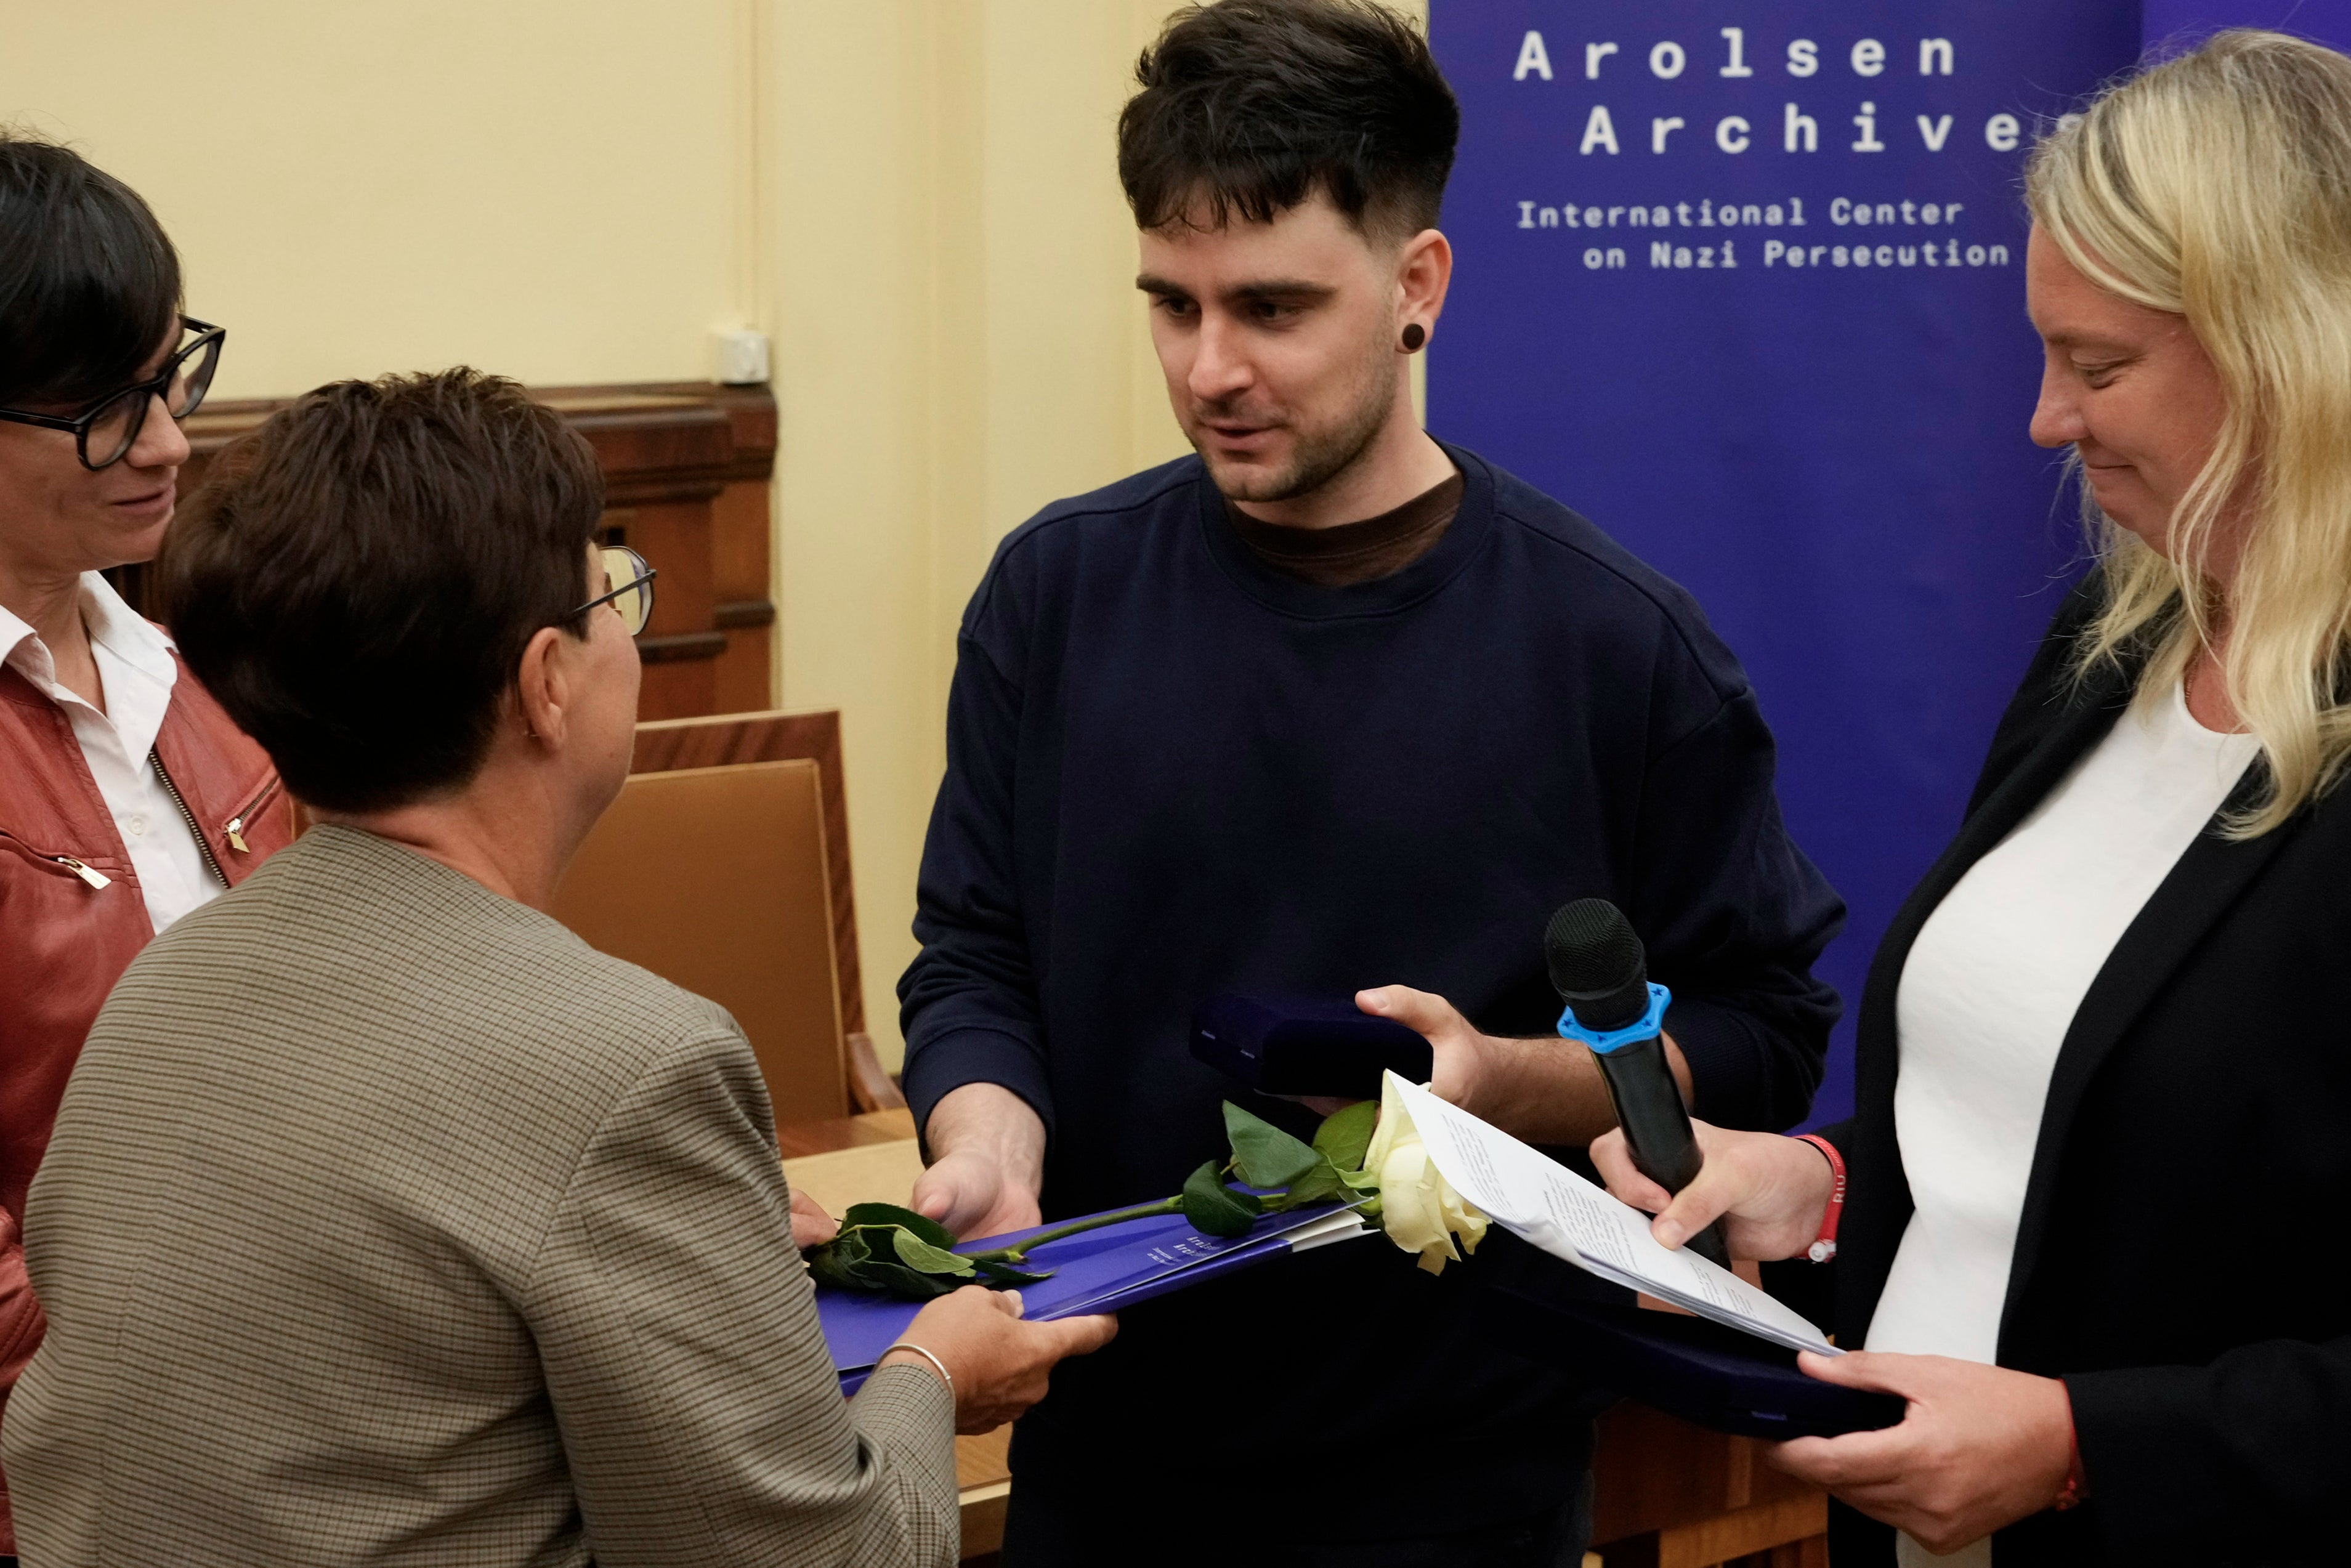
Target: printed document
[1542, 1202]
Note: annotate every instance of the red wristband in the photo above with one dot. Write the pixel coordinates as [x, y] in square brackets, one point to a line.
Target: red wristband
[1823, 1247]
[2076, 1483]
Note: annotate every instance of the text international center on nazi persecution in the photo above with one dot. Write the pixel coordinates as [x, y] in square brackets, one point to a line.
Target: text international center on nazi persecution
[1891, 234]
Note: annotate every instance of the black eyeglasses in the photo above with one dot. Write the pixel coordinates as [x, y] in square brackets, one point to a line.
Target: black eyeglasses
[106, 433]
[633, 596]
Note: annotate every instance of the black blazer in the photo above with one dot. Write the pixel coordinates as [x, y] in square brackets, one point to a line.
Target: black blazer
[2199, 1114]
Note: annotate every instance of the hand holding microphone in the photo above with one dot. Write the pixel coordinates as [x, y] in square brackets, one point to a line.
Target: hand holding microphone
[1768, 1193]
[1601, 971]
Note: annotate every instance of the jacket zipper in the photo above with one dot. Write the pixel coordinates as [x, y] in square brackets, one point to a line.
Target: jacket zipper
[188, 817]
[87, 873]
[95, 878]
[235, 829]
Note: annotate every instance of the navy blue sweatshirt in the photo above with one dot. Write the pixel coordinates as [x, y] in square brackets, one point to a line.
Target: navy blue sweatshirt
[1174, 771]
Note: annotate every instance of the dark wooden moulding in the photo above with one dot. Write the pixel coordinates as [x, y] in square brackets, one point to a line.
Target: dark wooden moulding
[686, 467]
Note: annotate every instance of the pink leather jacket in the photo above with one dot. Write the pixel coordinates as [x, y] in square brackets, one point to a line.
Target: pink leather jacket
[72, 918]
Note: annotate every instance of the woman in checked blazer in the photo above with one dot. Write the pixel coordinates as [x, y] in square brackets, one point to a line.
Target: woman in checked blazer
[385, 1221]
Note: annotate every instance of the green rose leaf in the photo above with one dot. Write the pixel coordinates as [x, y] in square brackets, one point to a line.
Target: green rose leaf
[996, 1273]
[1345, 1135]
[926, 1228]
[840, 1263]
[1214, 1208]
[1263, 1154]
[1322, 1182]
[909, 1284]
[920, 1255]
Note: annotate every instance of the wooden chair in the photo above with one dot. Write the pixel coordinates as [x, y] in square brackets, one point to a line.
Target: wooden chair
[724, 868]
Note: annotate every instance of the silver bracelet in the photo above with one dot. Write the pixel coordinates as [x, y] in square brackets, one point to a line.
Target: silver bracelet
[945, 1375]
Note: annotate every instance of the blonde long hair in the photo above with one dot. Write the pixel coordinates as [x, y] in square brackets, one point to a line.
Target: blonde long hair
[2217, 186]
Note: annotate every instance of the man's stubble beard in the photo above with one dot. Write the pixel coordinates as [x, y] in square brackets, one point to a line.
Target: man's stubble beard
[1318, 458]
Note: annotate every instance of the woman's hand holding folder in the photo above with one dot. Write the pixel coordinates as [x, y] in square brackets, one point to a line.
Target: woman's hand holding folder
[1982, 1446]
[995, 1364]
[1979, 1448]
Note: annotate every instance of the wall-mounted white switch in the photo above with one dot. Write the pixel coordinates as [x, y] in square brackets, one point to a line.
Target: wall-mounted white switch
[741, 355]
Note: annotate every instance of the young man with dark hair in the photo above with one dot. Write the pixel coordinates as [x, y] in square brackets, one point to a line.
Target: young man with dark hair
[1330, 705]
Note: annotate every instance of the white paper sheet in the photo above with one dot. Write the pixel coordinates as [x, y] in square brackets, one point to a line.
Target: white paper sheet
[1543, 1203]
[1344, 1225]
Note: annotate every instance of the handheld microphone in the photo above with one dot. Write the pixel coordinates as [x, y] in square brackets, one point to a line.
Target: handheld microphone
[1601, 971]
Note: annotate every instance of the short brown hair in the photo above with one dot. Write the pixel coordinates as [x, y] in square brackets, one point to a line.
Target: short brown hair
[356, 581]
[1250, 106]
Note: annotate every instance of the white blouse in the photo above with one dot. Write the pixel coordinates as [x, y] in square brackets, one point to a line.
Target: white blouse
[1987, 997]
[137, 669]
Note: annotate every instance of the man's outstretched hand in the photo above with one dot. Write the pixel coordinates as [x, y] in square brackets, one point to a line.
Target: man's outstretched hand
[987, 1163]
[1545, 1090]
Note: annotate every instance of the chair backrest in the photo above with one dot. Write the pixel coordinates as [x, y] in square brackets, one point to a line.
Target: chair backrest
[776, 736]
[717, 879]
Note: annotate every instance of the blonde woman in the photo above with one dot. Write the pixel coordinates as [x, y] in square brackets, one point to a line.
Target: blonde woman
[2091, 1211]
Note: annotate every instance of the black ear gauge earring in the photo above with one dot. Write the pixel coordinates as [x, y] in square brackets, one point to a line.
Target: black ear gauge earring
[1414, 335]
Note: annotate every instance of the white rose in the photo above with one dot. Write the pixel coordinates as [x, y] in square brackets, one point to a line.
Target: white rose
[1418, 1207]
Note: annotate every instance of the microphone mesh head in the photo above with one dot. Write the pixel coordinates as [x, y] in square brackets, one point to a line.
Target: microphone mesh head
[1591, 951]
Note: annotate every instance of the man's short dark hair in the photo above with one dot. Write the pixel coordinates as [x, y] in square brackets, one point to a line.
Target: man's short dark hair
[1250, 106]
[357, 580]
[89, 286]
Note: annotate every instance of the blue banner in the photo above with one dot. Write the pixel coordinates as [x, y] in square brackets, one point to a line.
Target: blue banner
[1744, 284]
[2180, 22]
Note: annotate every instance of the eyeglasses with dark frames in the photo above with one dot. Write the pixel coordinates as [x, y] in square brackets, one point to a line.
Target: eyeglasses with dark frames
[105, 432]
[632, 594]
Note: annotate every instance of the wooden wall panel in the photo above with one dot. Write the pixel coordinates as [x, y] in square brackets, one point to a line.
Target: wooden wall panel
[739, 546]
[1671, 1495]
[687, 470]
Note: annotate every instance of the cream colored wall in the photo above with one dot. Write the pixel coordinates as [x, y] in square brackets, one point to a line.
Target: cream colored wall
[542, 187]
[916, 198]
[959, 342]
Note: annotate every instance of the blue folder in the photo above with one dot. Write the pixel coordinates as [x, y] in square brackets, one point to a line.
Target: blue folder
[1705, 1372]
[1095, 1272]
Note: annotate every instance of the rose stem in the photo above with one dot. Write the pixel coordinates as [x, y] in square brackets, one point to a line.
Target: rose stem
[1016, 1255]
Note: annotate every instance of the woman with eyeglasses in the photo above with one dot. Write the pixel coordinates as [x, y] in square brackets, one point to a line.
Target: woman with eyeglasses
[126, 797]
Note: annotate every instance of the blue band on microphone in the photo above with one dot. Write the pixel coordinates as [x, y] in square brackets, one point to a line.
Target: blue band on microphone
[1647, 1026]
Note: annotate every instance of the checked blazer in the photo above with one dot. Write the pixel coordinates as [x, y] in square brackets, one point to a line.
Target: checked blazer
[387, 1222]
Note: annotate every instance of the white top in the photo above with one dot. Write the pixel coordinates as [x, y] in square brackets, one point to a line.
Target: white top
[1987, 997]
[136, 667]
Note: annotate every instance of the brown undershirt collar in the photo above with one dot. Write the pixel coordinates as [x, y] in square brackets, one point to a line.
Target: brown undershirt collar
[1354, 552]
